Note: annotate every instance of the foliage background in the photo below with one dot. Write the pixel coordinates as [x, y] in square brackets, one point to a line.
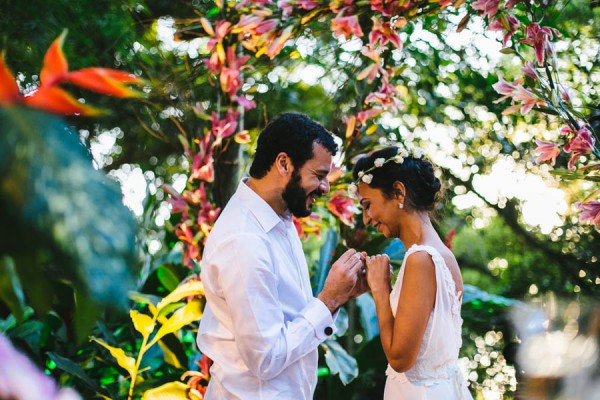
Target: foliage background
[448, 106]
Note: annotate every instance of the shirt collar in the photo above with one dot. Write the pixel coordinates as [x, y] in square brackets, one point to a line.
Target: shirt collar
[266, 216]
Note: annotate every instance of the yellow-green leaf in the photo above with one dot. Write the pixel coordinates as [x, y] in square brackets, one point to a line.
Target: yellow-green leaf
[191, 288]
[124, 361]
[370, 130]
[187, 314]
[142, 323]
[168, 391]
[170, 357]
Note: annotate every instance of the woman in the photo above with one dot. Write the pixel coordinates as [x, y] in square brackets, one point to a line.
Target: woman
[419, 318]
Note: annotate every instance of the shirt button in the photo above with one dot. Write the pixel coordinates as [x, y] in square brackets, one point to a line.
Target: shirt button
[328, 331]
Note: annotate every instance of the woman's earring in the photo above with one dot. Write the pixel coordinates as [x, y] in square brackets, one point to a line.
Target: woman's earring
[400, 206]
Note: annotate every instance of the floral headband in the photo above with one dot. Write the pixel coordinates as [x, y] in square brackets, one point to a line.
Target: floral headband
[367, 177]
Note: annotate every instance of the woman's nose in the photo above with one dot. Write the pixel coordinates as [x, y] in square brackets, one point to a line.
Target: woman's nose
[366, 218]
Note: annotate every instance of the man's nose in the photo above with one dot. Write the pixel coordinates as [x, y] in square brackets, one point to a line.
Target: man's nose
[324, 185]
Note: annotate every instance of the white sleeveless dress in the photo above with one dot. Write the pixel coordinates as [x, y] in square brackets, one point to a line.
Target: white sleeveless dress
[435, 375]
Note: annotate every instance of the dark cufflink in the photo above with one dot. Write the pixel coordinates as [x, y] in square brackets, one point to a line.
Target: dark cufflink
[328, 331]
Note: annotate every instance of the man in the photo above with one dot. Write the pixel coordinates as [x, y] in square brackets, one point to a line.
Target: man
[261, 325]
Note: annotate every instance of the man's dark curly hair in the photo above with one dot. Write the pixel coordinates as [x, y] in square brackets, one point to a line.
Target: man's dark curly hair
[294, 134]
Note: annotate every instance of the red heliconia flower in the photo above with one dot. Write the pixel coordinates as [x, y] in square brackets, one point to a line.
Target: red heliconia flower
[546, 151]
[50, 97]
[346, 27]
[191, 251]
[342, 207]
[590, 212]
[539, 37]
[307, 226]
[580, 145]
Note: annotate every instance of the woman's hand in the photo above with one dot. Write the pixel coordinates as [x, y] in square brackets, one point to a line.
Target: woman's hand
[379, 273]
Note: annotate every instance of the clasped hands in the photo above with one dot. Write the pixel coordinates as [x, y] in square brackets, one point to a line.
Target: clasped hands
[353, 274]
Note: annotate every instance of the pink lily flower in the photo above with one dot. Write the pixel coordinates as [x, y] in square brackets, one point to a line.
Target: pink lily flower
[346, 26]
[528, 99]
[510, 4]
[539, 37]
[342, 207]
[363, 116]
[388, 8]
[245, 102]
[581, 145]
[308, 4]
[277, 45]
[223, 128]
[488, 8]
[546, 151]
[590, 212]
[382, 32]
[505, 88]
[529, 70]
[286, 7]
[387, 96]
[177, 202]
[508, 24]
[371, 71]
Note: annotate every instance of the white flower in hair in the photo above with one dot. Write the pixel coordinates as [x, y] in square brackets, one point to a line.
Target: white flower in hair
[403, 153]
[398, 159]
[367, 178]
[379, 162]
[352, 189]
[417, 152]
[360, 174]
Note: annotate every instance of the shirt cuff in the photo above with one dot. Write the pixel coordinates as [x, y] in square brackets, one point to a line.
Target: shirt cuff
[319, 316]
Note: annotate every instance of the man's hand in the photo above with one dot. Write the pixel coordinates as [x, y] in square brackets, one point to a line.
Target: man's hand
[344, 281]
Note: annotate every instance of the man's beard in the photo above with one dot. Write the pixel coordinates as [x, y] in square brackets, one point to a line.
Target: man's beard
[295, 196]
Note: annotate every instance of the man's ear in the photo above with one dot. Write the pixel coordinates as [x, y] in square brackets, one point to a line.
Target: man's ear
[283, 163]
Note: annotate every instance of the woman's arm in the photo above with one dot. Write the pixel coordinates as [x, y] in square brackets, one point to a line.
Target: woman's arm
[401, 337]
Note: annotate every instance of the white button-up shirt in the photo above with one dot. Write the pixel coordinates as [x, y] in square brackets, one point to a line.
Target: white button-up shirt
[261, 325]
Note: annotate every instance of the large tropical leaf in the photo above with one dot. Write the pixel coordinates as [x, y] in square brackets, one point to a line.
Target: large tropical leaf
[59, 217]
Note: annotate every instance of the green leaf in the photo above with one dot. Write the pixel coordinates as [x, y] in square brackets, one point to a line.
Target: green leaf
[52, 199]
[10, 287]
[339, 361]
[73, 369]
[167, 278]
